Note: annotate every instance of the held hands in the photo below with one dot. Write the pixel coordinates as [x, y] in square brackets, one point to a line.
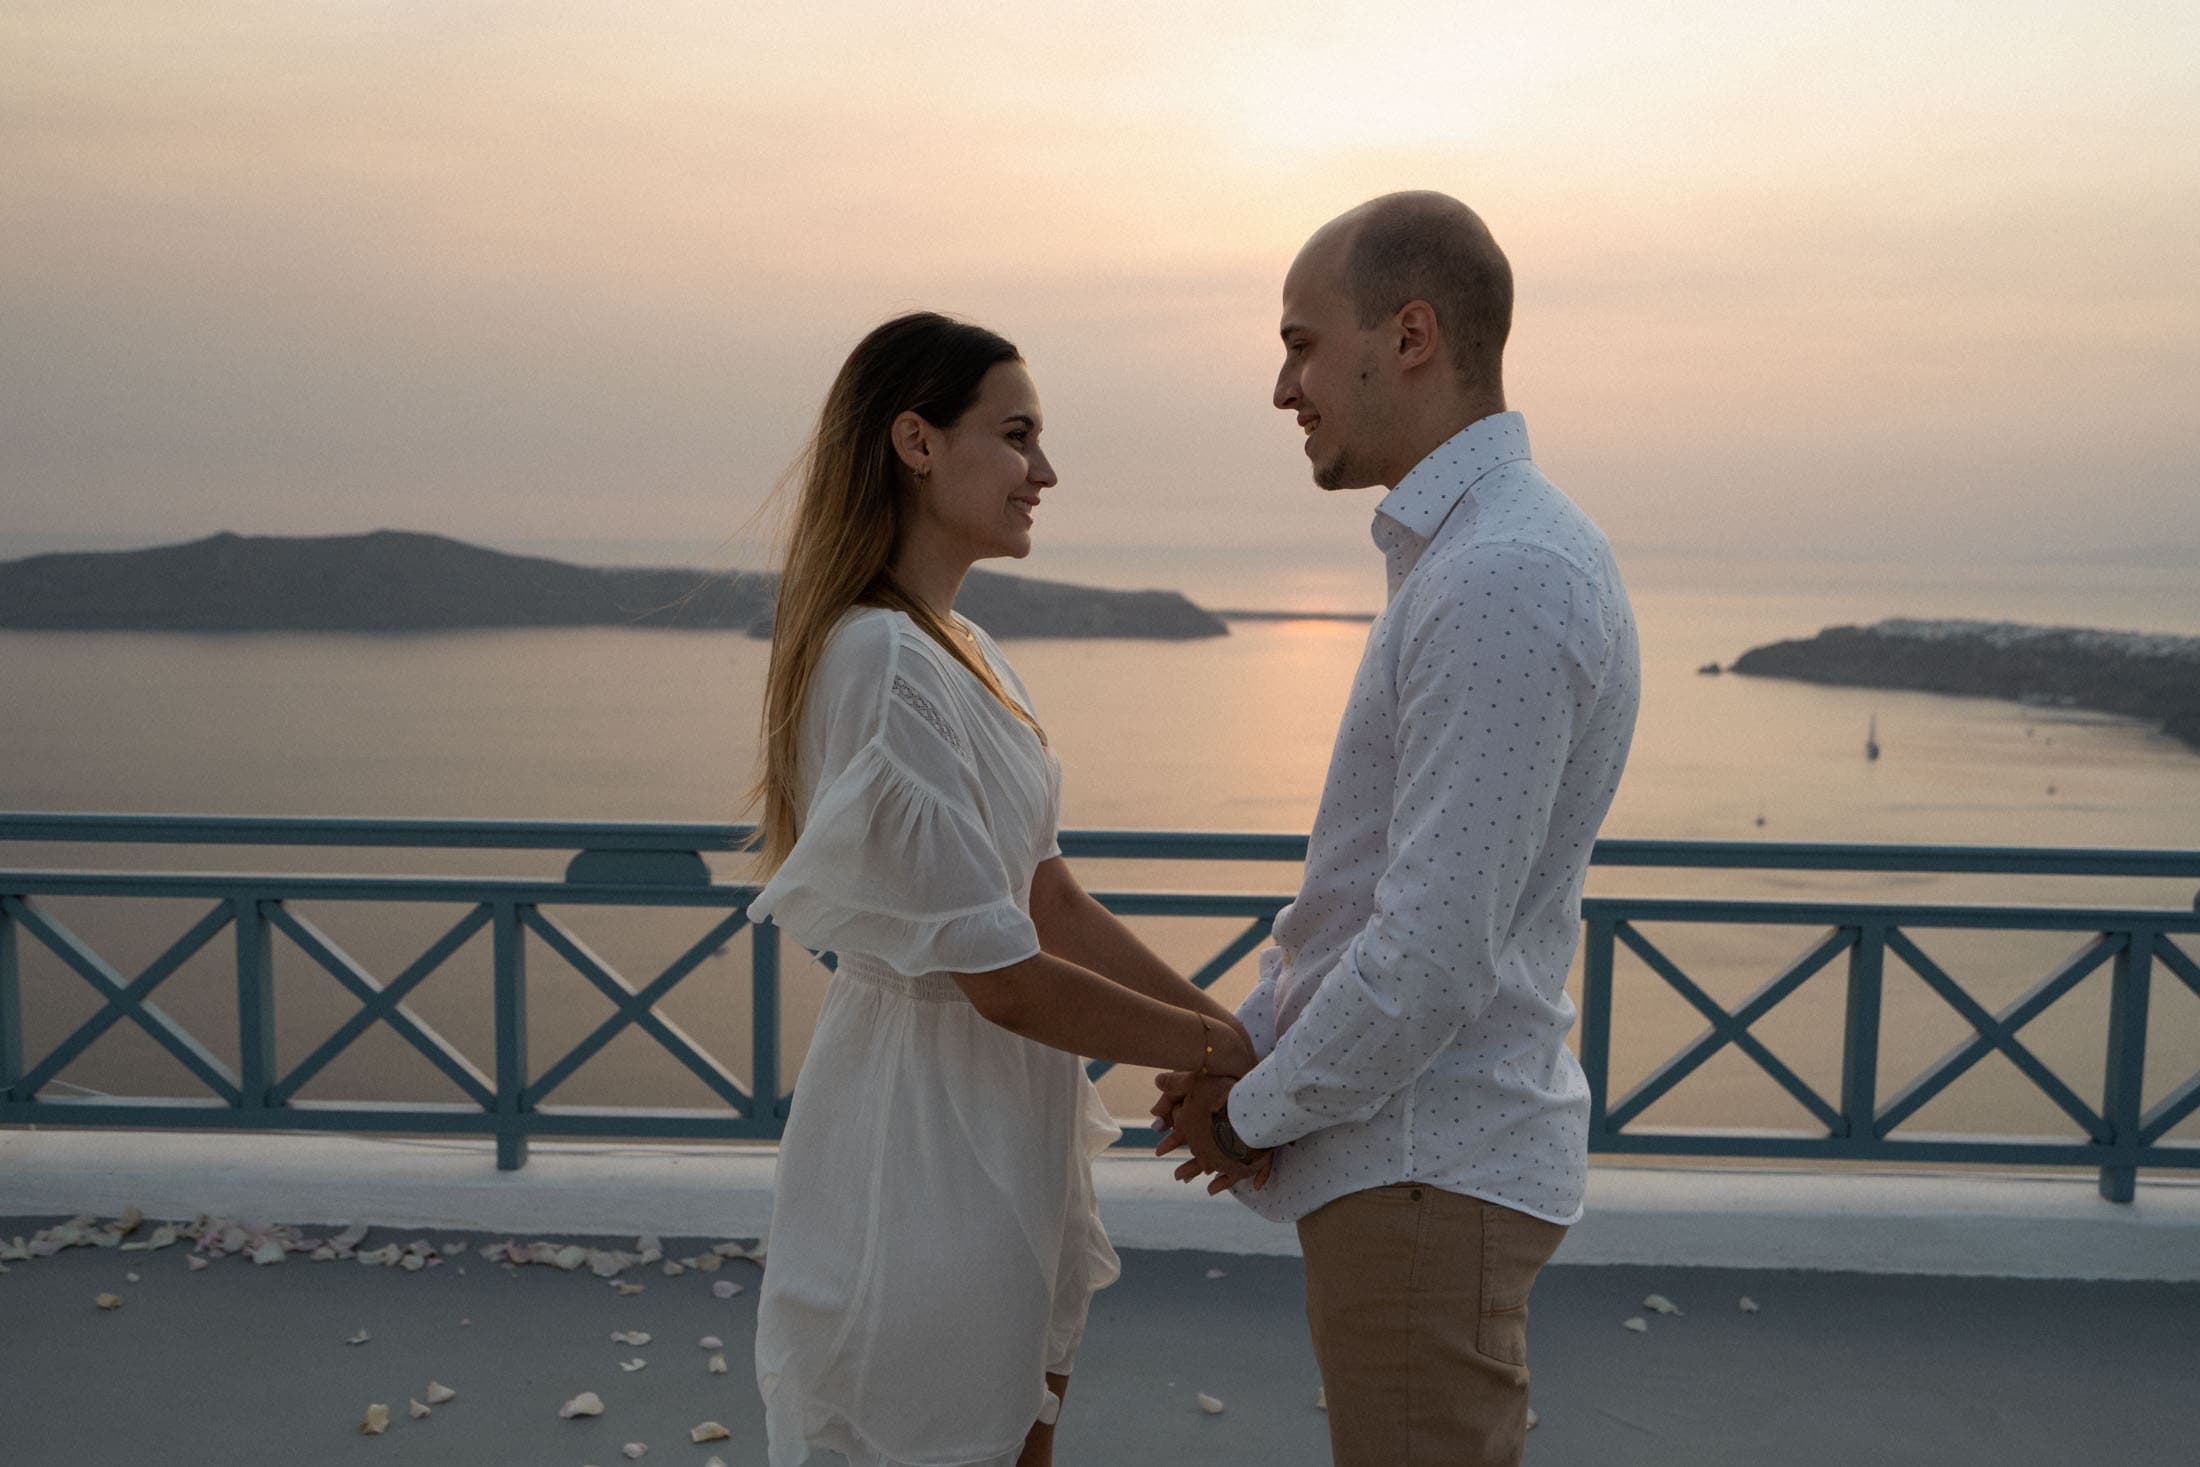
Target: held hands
[1185, 1115]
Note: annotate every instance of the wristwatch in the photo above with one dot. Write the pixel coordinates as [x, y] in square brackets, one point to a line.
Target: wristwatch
[1227, 1140]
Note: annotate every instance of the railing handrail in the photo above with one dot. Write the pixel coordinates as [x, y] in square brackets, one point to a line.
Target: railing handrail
[1097, 843]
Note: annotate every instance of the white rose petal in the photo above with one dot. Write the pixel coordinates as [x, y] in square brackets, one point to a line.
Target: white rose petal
[438, 1393]
[709, 1431]
[1659, 1304]
[377, 1420]
[415, 1410]
[1638, 1324]
[587, 1403]
[1209, 1404]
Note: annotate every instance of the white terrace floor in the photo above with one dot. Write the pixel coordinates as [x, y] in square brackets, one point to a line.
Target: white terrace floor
[1900, 1320]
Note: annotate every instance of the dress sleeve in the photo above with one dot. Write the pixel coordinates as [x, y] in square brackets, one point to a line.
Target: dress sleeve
[894, 860]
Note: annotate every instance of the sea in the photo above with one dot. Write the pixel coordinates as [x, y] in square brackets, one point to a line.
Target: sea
[1225, 734]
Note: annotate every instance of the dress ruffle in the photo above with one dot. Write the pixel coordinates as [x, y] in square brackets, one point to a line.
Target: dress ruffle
[888, 867]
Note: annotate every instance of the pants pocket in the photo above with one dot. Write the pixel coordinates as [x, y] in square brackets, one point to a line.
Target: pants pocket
[1514, 1249]
[1502, 1335]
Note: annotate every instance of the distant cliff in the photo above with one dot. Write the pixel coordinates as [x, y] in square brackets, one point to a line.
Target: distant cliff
[2153, 677]
[393, 581]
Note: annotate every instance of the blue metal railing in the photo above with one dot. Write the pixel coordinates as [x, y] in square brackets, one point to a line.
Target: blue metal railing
[660, 866]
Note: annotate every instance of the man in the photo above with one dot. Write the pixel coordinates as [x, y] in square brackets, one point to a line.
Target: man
[1417, 1112]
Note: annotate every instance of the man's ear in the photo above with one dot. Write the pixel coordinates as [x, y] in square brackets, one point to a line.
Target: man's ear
[914, 442]
[1415, 333]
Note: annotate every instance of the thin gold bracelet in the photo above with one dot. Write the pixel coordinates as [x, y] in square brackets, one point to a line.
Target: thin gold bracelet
[1207, 1044]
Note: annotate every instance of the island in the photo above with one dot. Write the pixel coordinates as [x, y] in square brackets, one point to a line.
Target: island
[2141, 675]
[401, 581]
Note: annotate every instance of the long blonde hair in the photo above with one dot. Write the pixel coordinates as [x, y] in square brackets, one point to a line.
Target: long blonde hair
[852, 510]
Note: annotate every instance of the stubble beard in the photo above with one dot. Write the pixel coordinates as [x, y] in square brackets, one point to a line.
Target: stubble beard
[1345, 470]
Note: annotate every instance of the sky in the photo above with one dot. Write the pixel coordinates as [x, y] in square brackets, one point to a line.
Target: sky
[1848, 280]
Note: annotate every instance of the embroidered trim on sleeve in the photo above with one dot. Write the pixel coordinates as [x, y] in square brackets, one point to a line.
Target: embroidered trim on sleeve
[928, 711]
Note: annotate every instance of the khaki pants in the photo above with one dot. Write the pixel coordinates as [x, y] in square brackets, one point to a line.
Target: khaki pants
[1418, 1303]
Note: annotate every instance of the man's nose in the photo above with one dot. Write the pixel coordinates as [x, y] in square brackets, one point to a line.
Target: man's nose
[1287, 390]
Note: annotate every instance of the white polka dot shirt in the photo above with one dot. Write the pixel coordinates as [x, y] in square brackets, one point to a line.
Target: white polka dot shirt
[1413, 1013]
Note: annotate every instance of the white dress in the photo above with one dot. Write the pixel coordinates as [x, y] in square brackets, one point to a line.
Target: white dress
[935, 1241]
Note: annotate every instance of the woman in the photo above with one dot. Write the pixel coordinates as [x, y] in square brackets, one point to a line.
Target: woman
[935, 1242]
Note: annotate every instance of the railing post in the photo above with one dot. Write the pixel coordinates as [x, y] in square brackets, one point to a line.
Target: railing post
[2123, 1087]
[255, 1003]
[764, 1019]
[511, 1026]
[11, 1008]
[1596, 1020]
[1860, 1035]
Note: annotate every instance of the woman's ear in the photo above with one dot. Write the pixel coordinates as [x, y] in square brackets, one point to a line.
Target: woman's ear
[914, 441]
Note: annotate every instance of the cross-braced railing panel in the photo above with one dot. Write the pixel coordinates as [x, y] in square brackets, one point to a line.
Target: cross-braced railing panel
[1729, 1027]
[637, 1008]
[130, 999]
[383, 1004]
[1997, 1032]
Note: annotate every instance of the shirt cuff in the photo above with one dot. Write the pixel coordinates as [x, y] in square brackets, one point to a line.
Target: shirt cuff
[1258, 1111]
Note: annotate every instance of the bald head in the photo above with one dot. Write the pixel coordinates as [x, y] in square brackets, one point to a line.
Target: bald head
[1424, 246]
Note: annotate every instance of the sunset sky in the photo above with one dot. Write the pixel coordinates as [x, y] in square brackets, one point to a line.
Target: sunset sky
[1849, 279]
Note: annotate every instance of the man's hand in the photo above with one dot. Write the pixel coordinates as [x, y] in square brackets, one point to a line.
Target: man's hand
[1186, 1112]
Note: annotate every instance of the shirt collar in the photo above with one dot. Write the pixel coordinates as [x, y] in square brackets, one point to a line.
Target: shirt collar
[1434, 486]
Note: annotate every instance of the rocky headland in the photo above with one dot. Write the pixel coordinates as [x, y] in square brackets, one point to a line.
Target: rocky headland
[396, 581]
[2139, 675]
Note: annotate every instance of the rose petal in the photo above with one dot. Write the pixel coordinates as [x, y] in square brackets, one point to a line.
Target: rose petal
[709, 1431]
[438, 1393]
[415, 1410]
[108, 1301]
[725, 1288]
[717, 1364]
[1638, 1324]
[358, 1339]
[1209, 1404]
[377, 1420]
[587, 1403]
[1658, 1303]
[632, 1451]
[711, 1342]
[1749, 1305]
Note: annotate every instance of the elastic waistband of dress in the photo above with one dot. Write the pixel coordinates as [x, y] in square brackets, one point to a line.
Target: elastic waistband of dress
[931, 988]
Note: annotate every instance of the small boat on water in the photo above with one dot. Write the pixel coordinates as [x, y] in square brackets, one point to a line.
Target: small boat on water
[1871, 739]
